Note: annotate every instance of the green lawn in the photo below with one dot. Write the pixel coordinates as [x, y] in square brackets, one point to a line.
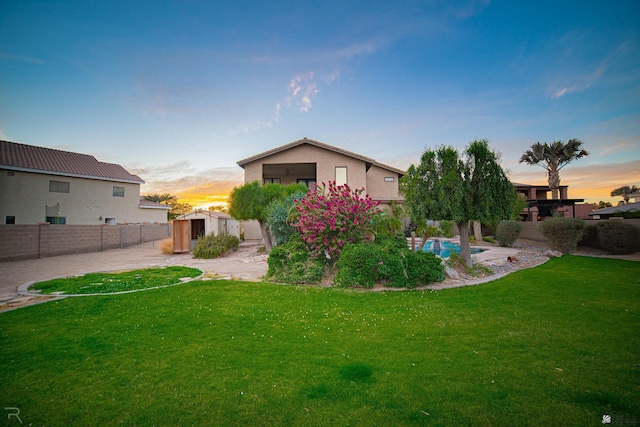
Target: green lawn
[110, 282]
[554, 345]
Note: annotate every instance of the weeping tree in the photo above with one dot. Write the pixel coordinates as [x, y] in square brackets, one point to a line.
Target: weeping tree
[445, 186]
[553, 157]
[251, 200]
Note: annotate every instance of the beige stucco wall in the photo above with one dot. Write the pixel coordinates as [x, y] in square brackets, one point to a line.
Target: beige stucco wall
[377, 187]
[25, 195]
[326, 162]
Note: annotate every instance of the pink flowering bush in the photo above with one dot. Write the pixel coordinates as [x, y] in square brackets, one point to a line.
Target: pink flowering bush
[331, 216]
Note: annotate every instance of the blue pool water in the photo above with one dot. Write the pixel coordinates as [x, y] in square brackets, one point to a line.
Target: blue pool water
[446, 248]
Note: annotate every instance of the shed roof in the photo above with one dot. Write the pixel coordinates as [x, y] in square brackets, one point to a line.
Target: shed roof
[368, 161]
[29, 158]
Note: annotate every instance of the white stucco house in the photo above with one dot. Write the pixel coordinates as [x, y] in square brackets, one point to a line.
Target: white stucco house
[39, 184]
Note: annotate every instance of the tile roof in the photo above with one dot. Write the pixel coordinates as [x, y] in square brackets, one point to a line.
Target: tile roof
[629, 207]
[144, 203]
[30, 158]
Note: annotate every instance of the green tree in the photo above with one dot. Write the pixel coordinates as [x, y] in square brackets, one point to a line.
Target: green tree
[518, 206]
[444, 186]
[280, 213]
[601, 205]
[217, 208]
[553, 157]
[624, 192]
[178, 209]
[251, 200]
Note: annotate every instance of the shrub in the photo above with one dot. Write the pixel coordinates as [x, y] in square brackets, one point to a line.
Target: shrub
[166, 246]
[212, 246]
[617, 237]
[507, 232]
[278, 220]
[330, 217]
[424, 268]
[358, 265]
[447, 228]
[562, 234]
[590, 237]
[292, 263]
[387, 262]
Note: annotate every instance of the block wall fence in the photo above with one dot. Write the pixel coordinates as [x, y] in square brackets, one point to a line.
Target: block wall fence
[530, 229]
[18, 242]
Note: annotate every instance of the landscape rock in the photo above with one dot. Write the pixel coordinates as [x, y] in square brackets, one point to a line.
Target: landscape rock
[451, 273]
[553, 254]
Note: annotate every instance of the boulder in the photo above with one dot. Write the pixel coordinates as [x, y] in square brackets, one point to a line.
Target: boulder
[553, 254]
[451, 273]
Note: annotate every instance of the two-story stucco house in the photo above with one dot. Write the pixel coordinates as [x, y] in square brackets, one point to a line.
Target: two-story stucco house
[40, 184]
[310, 162]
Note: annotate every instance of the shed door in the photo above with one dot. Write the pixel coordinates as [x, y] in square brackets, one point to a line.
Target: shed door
[197, 228]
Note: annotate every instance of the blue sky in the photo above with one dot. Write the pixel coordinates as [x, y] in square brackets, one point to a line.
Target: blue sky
[178, 91]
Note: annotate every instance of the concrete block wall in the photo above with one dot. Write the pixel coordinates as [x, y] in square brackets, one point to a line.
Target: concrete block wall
[45, 240]
[530, 229]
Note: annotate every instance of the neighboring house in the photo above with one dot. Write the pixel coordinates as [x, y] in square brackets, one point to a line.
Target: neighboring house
[40, 184]
[540, 205]
[202, 223]
[310, 162]
[617, 211]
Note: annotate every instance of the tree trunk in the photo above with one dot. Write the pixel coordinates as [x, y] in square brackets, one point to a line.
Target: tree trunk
[477, 231]
[463, 228]
[425, 236]
[265, 236]
[554, 184]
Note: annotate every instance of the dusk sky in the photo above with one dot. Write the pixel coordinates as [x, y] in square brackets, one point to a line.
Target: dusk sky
[179, 91]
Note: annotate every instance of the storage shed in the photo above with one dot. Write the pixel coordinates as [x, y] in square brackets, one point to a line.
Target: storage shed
[202, 223]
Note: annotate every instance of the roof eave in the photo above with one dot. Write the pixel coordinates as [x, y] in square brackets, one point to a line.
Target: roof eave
[71, 175]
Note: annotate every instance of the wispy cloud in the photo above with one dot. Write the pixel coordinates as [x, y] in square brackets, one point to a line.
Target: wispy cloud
[20, 58]
[302, 89]
[581, 83]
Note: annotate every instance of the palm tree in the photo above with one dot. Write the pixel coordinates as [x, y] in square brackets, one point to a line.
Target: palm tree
[624, 192]
[554, 157]
[163, 199]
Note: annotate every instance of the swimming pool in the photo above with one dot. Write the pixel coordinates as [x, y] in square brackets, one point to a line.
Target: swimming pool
[446, 248]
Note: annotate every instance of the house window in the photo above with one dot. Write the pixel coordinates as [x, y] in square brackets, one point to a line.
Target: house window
[58, 186]
[56, 220]
[389, 179]
[10, 219]
[118, 191]
[10, 173]
[309, 182]
[272, 180]
[341, 175]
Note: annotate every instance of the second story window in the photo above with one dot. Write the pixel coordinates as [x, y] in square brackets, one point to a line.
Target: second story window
[341, 175]
[118, 191]
[58, 186]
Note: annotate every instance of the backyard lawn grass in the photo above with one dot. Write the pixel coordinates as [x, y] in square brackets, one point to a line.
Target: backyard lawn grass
[555, 345]
[98, 283]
